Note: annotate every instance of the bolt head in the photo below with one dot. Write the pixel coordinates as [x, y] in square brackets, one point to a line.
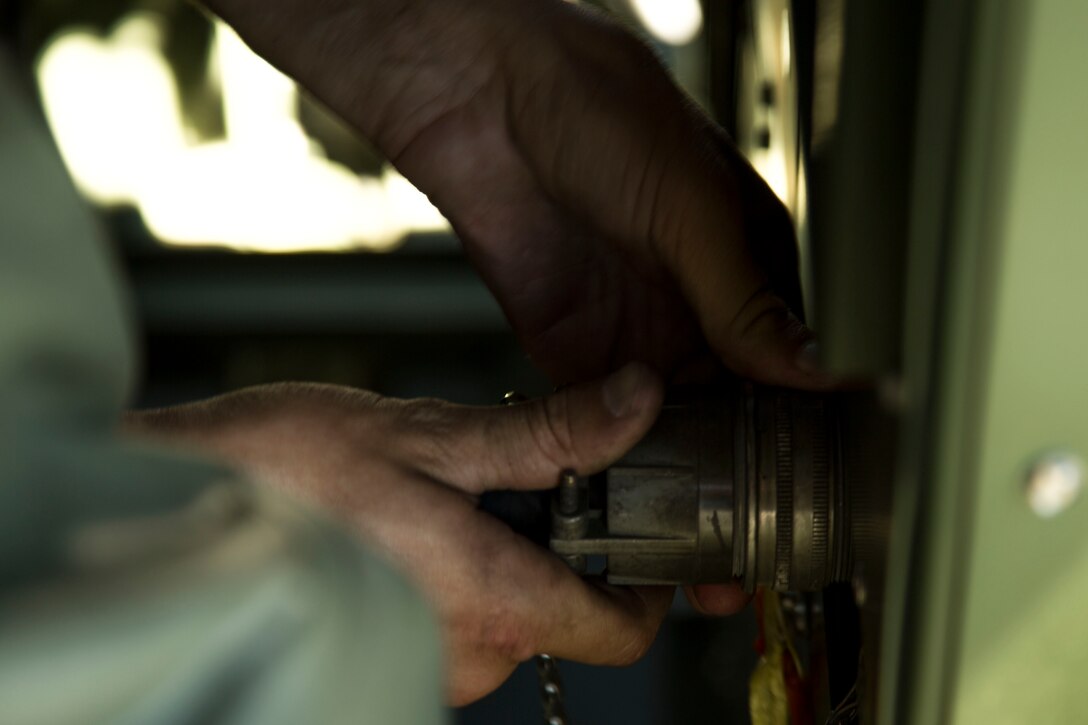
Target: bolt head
[1054, 483]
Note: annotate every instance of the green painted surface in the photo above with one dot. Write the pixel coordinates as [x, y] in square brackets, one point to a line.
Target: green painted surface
[1025, 636]
[996, 628]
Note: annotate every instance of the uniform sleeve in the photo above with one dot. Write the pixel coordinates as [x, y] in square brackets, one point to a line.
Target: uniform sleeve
[137, 586]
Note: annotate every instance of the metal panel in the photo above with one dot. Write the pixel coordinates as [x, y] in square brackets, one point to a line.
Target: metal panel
[995, 627]
[858, 184]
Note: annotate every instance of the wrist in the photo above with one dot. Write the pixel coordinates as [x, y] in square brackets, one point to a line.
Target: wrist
[430, 60]
[389, 67]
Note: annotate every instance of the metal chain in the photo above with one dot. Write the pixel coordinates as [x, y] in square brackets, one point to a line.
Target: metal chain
[551, 691]
[547, 669]
[567, 499]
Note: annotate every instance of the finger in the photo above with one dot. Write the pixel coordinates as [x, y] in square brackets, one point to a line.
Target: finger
[767, 225]
[724, 270]
[531, 602]
[717, 599]
[584, 427]
[616, 628]
[598, 624]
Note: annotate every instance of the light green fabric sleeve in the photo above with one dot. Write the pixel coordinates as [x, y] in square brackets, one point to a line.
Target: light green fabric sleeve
[137, 586]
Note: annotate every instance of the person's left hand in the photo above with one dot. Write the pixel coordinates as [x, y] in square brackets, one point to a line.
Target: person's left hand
[405, 474]
[611, 218]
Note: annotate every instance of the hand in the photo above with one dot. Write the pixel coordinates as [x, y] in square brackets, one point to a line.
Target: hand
[610, 217]
[405, 474]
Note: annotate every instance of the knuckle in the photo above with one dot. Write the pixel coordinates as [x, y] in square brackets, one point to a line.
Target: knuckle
[503, 623]
[425, 431]
[493, 632]
[428, 414]
[505, 635]
[761, 304]
[551, 431]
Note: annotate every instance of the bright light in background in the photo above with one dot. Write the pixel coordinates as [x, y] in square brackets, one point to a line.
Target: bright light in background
[88, 86]
[785, 43]
[114, 108]
[676, 22]
[772, 166]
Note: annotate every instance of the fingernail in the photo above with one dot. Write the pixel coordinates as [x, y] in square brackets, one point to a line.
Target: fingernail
[622, 388]
[808, 358]
[810, 364]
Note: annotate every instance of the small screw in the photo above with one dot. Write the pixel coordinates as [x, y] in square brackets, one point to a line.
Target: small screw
[1054, 482]
[570, 498]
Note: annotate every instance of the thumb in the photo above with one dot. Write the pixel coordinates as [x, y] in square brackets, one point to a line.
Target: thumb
[735, 260]
[584, 427]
